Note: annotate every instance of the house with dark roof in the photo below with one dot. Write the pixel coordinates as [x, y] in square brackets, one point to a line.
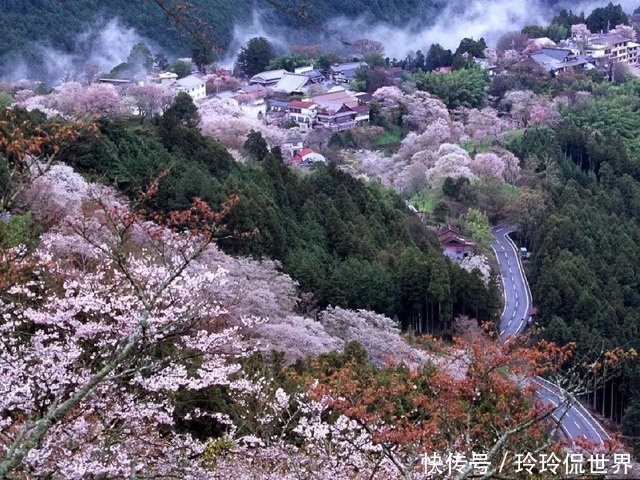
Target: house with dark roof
[452, 244]
[560, 60]
[345, 72]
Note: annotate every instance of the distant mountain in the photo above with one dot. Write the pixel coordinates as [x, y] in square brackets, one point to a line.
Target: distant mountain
[39, 35]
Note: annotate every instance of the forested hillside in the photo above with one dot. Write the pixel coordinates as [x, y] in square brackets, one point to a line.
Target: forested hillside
[27, 24]
[586, 233]
[350, 243]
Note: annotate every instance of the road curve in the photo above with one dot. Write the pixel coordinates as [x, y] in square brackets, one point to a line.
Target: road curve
[575, 420]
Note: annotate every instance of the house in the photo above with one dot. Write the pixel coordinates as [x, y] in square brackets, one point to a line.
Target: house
[452, 244]
[193, 85]
[345, 72]
[612, 47]
[292, 84]
[268, 78]
[167, 78]
[560, 60]
[333, 96]
[303, 112]
[293, 144]
[307, 157]
[443, 70]
[314, 75]
[336, 117]
[339, 110]
[114, 81]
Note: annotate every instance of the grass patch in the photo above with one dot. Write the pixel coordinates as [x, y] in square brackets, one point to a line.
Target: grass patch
[474, 146]
[388, 137]
[424, 200]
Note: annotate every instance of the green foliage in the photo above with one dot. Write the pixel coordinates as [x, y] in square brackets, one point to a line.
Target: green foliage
[180, 68]
[605, 18]
[255, 56]
[566, 18]
[460, 88]
[475, 48]
[5, 100]
[289, 62]
[476, 225]
[255, 147]
[160, 60]
[201, 48]
[185, 111]
[140, 57]
[437, 57]
[18, 230]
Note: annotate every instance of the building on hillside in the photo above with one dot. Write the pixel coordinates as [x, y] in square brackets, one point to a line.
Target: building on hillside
[307, 157]
[345, 72]
[292, 84]
[268, 78]
[115, 81]
[314, 75]
[193, 85]
[303, 112]
[293, 144]
[452, 244]
[560, 60]
[167, 78]
[609, 47]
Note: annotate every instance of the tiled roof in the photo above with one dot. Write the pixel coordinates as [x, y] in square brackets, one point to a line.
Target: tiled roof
[268, 76]
[291, 82]
[299, 104]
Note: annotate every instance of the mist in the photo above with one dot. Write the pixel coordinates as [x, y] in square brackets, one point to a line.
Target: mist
[106, 44]
[489, 19]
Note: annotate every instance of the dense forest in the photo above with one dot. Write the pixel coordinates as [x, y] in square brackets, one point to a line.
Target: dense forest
[585, 234]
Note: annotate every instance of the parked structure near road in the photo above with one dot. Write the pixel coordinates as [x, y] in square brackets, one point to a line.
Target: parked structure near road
[452, 244]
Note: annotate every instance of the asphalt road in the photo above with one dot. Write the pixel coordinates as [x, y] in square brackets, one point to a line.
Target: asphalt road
[574, 419]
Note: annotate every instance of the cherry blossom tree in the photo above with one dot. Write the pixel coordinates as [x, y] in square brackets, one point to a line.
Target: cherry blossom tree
[624, 31]
[484, 123]
[121, 316]
[519, 104]
[453, 162]
[487, 165]
[230, 125]
[150, 99]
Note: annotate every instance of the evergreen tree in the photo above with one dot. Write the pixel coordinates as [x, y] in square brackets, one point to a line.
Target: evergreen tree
[255, 56]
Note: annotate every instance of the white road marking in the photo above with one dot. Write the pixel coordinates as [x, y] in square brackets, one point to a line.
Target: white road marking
[505, 254]
[508, 324]
[516, 304]
[513, 314]
[510, 271]
[577, 424]
[502, 247]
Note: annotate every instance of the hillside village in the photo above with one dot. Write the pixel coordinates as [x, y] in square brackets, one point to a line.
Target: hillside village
[314, 98]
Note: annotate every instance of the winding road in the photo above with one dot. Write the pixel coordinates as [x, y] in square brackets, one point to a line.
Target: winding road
[575, 420]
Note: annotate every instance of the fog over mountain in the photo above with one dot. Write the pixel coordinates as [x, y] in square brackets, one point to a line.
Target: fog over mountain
[104, 39]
